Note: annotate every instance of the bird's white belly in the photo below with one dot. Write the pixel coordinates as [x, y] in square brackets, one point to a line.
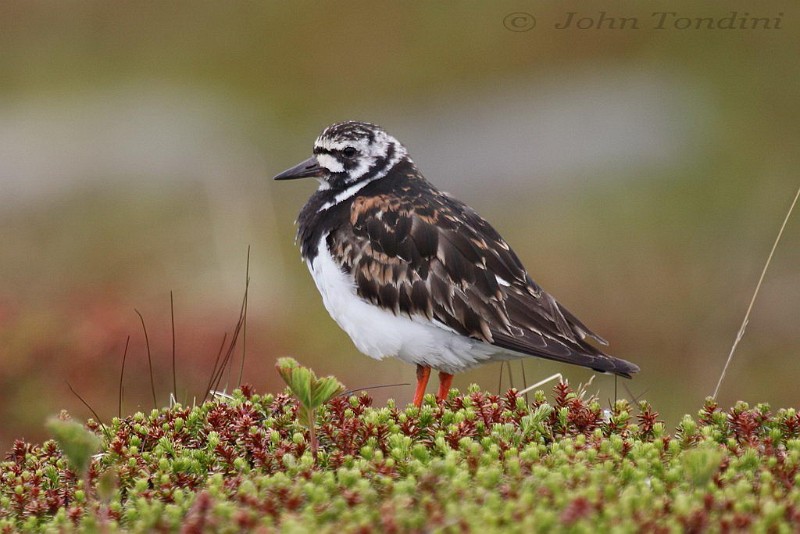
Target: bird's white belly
[380, 333]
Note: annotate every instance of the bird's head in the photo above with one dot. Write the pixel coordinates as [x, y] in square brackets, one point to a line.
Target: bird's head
[348, 153]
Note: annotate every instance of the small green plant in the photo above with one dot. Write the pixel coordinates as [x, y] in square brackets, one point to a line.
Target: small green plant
[77, 442]
[310, 391]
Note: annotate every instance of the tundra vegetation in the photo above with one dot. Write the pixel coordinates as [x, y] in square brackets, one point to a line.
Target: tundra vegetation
[475, 462]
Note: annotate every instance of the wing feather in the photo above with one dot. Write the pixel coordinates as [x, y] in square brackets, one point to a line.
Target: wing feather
[439, 259]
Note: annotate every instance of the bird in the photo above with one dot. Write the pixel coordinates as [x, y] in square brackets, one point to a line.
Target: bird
[410, 272]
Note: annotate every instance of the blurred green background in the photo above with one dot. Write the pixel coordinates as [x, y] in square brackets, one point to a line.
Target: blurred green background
[641, 174]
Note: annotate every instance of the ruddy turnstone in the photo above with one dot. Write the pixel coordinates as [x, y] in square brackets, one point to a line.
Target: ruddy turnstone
[410, 272]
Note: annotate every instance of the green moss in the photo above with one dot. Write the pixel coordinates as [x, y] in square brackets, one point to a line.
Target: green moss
[476, 461]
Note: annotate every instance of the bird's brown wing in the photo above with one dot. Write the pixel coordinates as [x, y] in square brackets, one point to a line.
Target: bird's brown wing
[441, 260]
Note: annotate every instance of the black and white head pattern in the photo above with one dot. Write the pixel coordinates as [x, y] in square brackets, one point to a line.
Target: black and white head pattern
[355, 153]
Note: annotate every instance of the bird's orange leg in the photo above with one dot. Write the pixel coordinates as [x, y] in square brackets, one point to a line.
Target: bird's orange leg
[423, 374]
[445, 381]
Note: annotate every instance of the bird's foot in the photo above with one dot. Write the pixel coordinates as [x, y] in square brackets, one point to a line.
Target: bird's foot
[445, 381]
[423, 374]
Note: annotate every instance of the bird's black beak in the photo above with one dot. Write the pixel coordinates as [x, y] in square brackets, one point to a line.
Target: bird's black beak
[308, 169]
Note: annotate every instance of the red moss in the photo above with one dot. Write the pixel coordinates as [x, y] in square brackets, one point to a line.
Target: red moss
[576, 510]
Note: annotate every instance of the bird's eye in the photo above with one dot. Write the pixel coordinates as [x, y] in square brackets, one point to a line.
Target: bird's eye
[349, 152]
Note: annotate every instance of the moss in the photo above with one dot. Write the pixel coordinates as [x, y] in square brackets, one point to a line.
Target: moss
[475, 461]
